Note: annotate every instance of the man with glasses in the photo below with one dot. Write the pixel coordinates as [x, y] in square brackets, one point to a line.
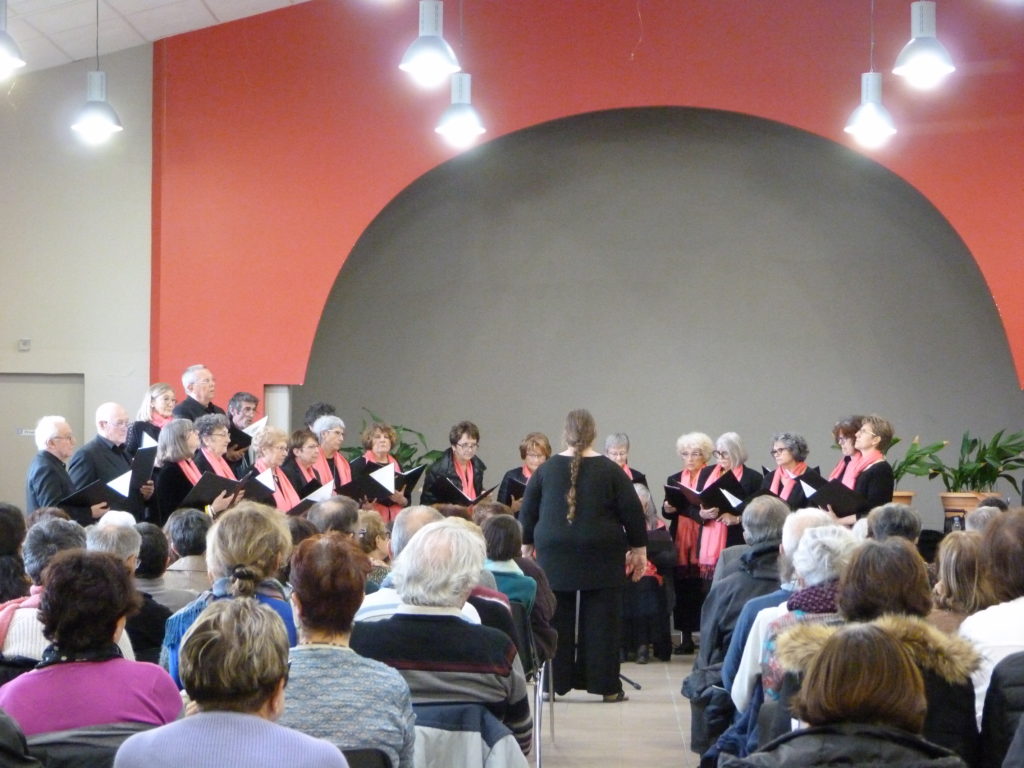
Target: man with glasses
[460, 465]
[48, 481]
[104, 457]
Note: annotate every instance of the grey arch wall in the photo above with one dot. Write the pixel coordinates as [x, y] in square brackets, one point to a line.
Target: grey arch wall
[671, 269]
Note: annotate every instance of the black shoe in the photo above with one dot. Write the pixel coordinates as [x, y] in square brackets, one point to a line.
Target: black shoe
[643, 655]
[685, 648]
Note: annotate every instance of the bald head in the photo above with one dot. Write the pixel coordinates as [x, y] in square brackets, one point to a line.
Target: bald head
[800, 521]
[407, 522]
[112, 422]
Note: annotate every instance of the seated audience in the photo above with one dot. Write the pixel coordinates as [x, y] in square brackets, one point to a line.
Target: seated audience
[83, 679]
[152, 565]
[863, 700]
[646, 614]
[887, 583]
[978, 518]
[960, 590]
[998, 631]
[145, 626]
[333, 692]
[503, 537]
[244, 551]
[383, 603]
[375, 541]
[24, 634]
[338, 513]
[894, 520]
[234, 663]
[14, 582]
[442, 657]
[186, 531]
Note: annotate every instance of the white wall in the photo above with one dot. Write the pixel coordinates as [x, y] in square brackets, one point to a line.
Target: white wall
[75, 232]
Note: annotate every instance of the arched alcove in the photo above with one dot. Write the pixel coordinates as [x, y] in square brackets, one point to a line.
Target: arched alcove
[671, 269]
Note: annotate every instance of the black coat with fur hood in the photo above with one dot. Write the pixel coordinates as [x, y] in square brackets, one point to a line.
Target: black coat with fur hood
[946, 663]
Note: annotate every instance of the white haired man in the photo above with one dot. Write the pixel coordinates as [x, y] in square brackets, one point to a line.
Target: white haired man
[47, 480]
[200, 387]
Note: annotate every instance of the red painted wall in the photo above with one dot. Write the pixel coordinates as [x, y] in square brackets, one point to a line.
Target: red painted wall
[278, 138]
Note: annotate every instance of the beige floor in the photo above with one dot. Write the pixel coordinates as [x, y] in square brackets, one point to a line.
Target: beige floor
[651, 729]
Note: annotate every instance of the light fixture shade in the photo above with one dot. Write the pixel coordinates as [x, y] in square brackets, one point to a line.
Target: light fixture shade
[924, 62]
[460, 124]
[10, 54]
[97, 121]
[429, 60]
[871, 124]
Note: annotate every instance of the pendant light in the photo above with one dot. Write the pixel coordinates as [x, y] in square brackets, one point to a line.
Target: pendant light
[10, 54]
[97, 121]
[871, 124]
[429, 60]
[924, 62]
[460, 124]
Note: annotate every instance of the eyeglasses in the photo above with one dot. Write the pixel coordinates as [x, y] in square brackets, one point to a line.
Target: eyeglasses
[866, 431]
[69, 438]
[220, 434]
[777, 451]
[720, 454]
[844, 439]
[121, 423]
[691, 455]
[535, 456]
[467, 446]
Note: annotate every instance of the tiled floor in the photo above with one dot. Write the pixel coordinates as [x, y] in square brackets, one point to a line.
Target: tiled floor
[651, 729]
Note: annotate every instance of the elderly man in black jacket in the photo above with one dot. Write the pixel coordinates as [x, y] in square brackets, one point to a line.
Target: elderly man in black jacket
[757, 574]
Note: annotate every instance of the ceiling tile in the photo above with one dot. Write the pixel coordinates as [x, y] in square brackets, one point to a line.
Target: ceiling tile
[68, 15]
[172, 19]
[229, 10]
[80, 43]
[40, 53]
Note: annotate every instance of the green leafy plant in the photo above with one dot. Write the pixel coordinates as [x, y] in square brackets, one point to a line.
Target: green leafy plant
[411, 450]
[982, 463]
[917, 460]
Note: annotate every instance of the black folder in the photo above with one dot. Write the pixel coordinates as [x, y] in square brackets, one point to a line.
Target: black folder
[516, 488]
[95, 492]
[209, 487]
[448, 492]
[832, 493]
[142, 468]
[714, 495]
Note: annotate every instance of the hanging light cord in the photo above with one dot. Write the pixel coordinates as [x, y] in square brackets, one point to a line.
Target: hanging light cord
[640, 39]
[871, 50]
[98, 35]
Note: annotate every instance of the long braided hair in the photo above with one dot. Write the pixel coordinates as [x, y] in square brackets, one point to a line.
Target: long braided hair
[580, 432]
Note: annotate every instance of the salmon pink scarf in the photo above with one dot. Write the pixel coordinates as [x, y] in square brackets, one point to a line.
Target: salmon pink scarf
[783, 480]
[190, 470]
[219, 465]
[387, 511]
[285, 496]
[858, 465]
[159, 420]
[341, 467]
[527, 472]
[687, 529]
[714, 533]
[465, 474]
[843, 470]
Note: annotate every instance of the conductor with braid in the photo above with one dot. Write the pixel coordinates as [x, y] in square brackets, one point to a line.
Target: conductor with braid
[583, 522]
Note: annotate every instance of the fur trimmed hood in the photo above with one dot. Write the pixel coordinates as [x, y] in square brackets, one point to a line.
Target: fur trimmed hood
[951, 657]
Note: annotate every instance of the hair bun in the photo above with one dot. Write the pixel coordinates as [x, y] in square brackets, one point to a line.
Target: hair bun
[244, 573]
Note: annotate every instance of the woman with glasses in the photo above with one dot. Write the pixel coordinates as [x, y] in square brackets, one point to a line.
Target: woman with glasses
[214, 432]
[616, 448]
[695, 449]
[459, 464]
[873, 478]
[790, 453]
[721, 528]
[300, 466]
[271, 447]
[845, 433]
[534, 450]
[177, 472]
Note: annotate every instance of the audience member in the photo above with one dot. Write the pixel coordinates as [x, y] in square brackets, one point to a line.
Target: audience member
[82, 679]
[375, 541]
[46, 513]
[186, 531]
[978, 518]
[152, 565]
[24, 634]
[338, 513]
[145, 625]
[334, 693]
[998, 631]
[864, 702]
[894, 520]
[503, 537]
[960, 590]
[234, 663]
[442, 657]
[245, 549]
[14, 582]
[47, 482]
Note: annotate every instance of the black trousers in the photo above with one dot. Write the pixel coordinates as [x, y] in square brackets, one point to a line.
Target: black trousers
[590, 660]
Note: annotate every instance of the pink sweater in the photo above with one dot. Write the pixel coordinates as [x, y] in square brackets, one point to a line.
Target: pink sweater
[74, 695]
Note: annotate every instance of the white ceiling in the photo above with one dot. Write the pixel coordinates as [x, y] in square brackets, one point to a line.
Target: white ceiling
[54, 32]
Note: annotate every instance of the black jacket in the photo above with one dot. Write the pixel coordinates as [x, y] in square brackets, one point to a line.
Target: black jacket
[1004, 704]
[445, 467]
[849, 745]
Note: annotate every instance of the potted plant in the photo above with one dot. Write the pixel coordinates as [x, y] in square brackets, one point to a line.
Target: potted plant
[916, 461]
[979, 466]
[411, 450]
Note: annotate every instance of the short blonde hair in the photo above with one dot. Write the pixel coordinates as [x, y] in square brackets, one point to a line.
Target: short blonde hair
[371, 526]
[247, 544]
[698, 441]
[234, 655]
[266, 438]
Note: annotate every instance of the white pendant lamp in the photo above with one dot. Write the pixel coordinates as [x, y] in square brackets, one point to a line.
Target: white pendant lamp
[871, 124]
[97, 121]
[460, 124]
[924, 62]
[429, 60]
[10, 55]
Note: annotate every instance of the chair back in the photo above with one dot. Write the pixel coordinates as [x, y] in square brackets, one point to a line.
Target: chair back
[463, 735]
[366, 758]
[91, 747]
[524, 639]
